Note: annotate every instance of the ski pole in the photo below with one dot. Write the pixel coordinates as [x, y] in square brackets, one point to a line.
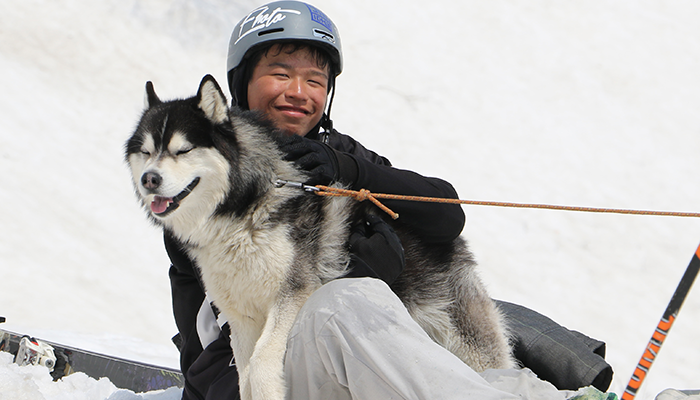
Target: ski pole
[657, 339]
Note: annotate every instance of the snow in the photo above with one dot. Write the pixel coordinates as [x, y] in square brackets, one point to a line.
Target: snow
[576, 103]
[33, 382]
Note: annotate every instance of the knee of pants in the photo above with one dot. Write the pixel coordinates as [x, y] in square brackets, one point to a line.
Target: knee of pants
[354, 294]
[357, 302]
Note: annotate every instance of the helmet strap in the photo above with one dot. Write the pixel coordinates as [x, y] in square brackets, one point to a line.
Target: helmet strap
[326, 121]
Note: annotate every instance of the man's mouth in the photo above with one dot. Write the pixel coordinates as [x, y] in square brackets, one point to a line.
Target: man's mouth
[293, 110]
[162, 206]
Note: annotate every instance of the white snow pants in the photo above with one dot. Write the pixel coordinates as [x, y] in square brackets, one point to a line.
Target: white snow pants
[354, 339]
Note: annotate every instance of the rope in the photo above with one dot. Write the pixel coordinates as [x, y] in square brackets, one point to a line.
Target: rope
[364, 194]
[361, 195]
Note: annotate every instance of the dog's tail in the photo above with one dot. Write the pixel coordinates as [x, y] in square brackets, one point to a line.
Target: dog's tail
[485, 342]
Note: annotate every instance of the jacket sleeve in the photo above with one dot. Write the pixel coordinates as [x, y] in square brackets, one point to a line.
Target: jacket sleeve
[187, 298]
[433, 222]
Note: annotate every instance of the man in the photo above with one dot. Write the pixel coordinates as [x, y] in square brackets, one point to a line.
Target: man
[283, 60]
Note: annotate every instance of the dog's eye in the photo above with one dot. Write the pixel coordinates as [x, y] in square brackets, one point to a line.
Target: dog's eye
[184, 151]
[146, 152]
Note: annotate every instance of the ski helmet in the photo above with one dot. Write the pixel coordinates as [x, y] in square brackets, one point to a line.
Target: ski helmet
[279, 22]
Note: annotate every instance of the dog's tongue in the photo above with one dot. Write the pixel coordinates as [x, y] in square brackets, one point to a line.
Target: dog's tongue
[160, 204]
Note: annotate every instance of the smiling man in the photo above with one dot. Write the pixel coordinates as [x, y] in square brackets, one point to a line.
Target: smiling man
[290, 85]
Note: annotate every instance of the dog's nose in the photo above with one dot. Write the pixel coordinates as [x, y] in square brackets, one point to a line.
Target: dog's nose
[151, 180]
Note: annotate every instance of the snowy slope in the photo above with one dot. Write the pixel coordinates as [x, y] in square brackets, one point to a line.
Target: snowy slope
[579, 103]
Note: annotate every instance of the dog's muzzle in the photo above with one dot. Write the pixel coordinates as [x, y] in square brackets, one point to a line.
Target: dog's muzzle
[162, 206]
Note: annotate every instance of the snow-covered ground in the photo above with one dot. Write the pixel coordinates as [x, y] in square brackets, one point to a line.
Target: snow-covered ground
[591, 103]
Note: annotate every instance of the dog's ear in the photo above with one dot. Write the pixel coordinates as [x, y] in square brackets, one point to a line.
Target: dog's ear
[150, 99]
[212, 100]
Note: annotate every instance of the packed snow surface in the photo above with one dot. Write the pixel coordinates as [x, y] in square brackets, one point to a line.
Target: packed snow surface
[589, 103]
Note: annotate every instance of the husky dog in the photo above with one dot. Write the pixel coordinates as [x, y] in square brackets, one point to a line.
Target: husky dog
[208, 175]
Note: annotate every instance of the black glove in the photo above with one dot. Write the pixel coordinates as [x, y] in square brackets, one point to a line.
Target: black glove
[376, 251]
[323, 164]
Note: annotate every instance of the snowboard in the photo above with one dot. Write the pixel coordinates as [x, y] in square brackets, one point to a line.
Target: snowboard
[61, 360]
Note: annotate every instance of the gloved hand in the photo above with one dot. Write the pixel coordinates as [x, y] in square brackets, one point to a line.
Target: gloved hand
[323, 164]
[376, 250]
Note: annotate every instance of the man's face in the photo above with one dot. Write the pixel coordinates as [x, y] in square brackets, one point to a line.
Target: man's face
[290, 88]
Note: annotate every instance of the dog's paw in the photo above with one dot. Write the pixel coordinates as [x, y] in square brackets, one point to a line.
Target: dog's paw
[268, 385]
[244, 384]
[269, 391]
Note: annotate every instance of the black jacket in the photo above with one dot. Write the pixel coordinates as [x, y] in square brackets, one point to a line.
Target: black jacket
[207, 365]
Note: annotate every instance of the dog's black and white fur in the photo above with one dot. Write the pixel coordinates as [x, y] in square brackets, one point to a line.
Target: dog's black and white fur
[207, 176]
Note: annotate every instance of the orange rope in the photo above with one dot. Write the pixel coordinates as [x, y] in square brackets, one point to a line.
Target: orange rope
[361, 195]
[364, 194]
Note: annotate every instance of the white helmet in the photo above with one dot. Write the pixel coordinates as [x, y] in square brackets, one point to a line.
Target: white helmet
[280, 22]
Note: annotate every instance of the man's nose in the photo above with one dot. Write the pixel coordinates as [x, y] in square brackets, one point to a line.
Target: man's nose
[295, 89]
